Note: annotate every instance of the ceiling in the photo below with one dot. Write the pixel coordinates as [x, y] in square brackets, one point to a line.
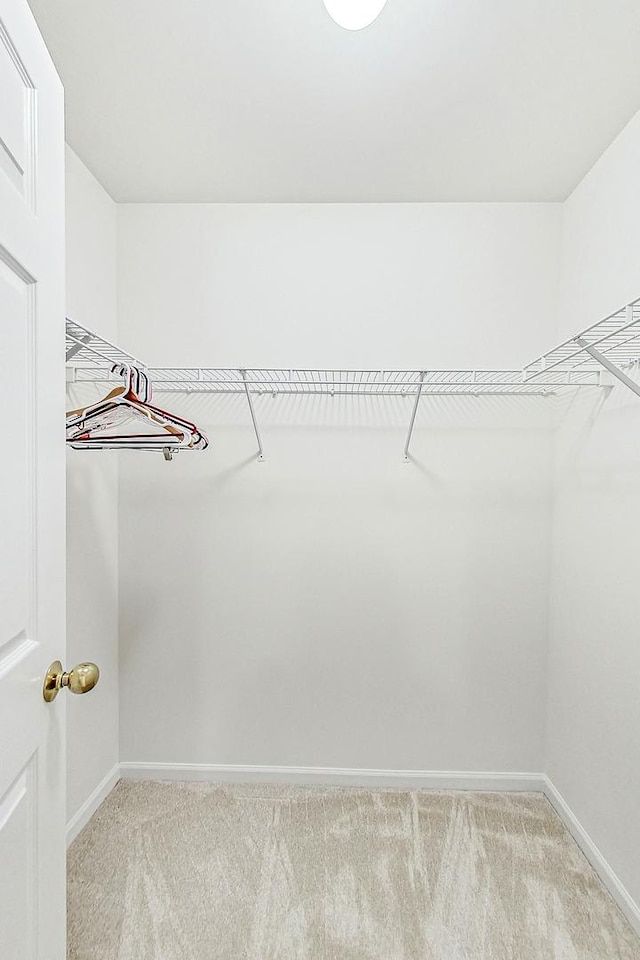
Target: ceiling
[269, 100]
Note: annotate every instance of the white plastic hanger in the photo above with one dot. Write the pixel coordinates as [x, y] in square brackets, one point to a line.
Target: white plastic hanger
[99, 425]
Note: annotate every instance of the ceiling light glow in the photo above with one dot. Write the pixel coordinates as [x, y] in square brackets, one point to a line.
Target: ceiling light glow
[354, 14]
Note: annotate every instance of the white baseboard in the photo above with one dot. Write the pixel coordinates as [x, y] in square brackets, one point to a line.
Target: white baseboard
[335, 776]
[91, 804]
[600, 864]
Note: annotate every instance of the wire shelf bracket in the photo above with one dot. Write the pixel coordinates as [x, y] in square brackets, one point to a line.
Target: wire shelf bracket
[243, 374]
[612, 344]
[615, 371]
[414, 412]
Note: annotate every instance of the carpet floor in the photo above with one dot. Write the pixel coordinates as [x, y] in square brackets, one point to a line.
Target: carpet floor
[186, 871]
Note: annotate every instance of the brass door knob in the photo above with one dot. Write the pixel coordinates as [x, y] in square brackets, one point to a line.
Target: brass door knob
[81, 679]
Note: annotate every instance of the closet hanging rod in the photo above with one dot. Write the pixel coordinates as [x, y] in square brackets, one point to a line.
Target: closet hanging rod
[257, 388]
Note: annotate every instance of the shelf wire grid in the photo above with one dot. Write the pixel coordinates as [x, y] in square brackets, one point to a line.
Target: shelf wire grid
[86, 351]
[340, 382]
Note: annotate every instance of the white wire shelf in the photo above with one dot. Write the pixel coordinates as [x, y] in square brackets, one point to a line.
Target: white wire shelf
[617, 338]
[86, 351]
[391, 383]
[571, 364]
[89, 358]
[353, 382]
[610, 346]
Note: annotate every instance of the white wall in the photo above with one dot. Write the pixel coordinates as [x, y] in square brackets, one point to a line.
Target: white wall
[593, 751]
[397, 285]
[601, 236]
[92, 517]
[333, 606]
[248, 629]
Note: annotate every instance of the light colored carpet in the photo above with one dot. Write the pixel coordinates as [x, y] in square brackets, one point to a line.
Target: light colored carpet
[168, 871]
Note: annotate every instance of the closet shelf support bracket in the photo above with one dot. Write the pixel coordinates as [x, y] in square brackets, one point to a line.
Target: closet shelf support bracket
[77, 347]
[407, 458]
[243, 374]
[614, 370]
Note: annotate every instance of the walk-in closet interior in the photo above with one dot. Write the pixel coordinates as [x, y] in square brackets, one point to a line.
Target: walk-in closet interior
[352, 385]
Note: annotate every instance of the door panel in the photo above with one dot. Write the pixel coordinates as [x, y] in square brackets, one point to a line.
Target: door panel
[18, 107]
[32, 558]
[16, 564]
[18, 847]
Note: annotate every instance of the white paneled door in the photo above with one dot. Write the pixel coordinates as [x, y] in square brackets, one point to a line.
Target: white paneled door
[32, 558]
